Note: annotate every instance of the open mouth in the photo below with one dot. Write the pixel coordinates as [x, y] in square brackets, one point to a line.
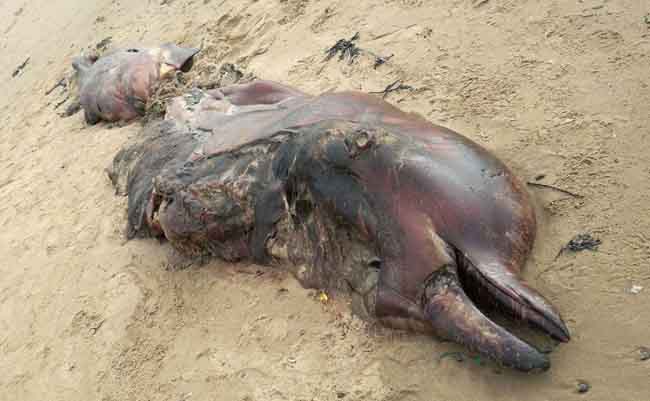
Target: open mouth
[454, 301]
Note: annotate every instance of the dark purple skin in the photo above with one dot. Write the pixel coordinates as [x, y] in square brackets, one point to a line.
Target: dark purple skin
[117, 86]
[353, 193]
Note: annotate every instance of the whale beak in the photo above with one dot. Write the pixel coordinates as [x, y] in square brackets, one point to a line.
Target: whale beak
[494, 284]
[454, 316]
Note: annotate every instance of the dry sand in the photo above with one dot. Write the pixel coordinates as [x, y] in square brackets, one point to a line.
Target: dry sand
[558, 88]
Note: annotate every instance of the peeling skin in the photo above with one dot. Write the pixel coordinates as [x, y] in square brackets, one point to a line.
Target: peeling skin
[350, 194]
[117, 86]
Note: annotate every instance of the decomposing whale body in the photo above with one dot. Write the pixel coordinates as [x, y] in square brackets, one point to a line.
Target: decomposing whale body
[117, 86]
[351, 194]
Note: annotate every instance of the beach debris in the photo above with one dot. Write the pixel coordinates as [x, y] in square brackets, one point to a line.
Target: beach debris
[63, 82]
[348, 50]
[345, 48]
[581, 242]
[394, 87]
[636, 289]
[323, 298]
[380, 60]
[540, 185]
[20, 68]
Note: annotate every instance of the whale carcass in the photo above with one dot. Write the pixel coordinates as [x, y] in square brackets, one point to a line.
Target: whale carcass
[414, 220]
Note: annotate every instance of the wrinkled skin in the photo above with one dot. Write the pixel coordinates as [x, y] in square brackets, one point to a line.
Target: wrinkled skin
[352, 194]
[117, 86]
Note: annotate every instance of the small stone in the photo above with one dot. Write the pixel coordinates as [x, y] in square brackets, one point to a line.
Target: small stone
[583, 241]
[583, 387]
[341, 395]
